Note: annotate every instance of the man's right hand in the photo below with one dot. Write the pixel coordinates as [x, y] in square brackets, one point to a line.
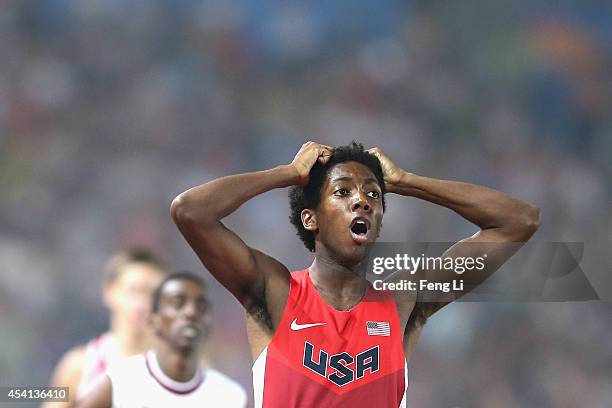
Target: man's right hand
[307, 156]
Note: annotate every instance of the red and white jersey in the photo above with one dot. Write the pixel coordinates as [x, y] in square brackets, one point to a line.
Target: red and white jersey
[322, 357]
[139, 382]
[99, 354]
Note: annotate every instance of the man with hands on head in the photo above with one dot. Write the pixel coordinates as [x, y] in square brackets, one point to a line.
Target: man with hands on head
[323, 336]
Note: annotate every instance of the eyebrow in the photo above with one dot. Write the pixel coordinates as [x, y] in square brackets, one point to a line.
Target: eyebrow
[348, 178]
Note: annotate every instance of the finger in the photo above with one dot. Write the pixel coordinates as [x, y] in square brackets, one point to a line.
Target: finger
[324, 156]
[374, 153]
[325, 150]
[328, 153]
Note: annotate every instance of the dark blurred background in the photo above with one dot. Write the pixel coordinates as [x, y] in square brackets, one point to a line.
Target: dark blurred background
[109, 109]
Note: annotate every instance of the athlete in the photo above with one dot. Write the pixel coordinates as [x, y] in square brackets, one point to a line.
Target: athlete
[130, 279]
[170, 375]
[323, 336]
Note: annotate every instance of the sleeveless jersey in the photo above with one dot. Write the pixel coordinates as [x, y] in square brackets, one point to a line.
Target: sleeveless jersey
[100, 352]
[322, 357]
[138, 381]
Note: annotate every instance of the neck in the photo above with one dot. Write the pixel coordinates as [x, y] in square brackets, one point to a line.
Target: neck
[176, 364]
[340, 286]
[129, 341]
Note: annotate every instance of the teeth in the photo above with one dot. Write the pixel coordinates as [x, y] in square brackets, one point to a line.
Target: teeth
[190, 331]
[362, 223]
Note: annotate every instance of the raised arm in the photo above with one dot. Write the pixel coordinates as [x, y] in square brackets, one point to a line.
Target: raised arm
[198, 213]
[502, 219]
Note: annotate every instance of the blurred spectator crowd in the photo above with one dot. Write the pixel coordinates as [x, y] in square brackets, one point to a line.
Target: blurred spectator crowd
[109, 109]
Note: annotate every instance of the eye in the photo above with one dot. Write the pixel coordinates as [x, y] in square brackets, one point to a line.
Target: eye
[374, 194]
[341, 192]
[177, 302]
[202, 306]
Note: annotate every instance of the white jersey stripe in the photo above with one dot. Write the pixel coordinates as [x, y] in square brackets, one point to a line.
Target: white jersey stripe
[259, 373]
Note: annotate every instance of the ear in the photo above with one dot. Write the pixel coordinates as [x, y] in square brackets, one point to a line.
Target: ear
[309, 219]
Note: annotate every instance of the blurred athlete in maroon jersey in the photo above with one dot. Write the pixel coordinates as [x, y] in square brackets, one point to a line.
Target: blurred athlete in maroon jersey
[129, 281]
[322, 336]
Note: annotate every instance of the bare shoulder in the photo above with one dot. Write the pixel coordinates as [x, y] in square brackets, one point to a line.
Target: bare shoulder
[265, 309]
[70, 367]
[269, 300]
[412, 315]
[68, 373]
[405, 300]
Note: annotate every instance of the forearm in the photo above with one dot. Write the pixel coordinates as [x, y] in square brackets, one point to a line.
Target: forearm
[485, 207]
[218, 198]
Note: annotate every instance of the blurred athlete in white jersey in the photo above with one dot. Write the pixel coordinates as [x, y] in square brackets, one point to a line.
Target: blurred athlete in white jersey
[129, 281]
[170, 375]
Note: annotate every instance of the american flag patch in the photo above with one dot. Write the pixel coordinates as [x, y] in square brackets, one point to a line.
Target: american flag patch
[378, 328]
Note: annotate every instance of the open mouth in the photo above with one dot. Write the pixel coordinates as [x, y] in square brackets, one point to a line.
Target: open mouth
[359, 230]
[190, 331]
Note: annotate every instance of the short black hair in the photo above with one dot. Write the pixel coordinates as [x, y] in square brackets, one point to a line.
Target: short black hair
[309, 196]
[182, 275]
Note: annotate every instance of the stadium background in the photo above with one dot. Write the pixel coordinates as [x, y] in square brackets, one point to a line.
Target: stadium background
[108, 109]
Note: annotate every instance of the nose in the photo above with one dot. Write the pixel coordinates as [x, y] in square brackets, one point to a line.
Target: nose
[191, 311]
[361, 203]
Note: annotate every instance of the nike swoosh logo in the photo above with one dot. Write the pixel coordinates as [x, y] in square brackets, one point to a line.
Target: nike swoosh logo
[296, 326]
